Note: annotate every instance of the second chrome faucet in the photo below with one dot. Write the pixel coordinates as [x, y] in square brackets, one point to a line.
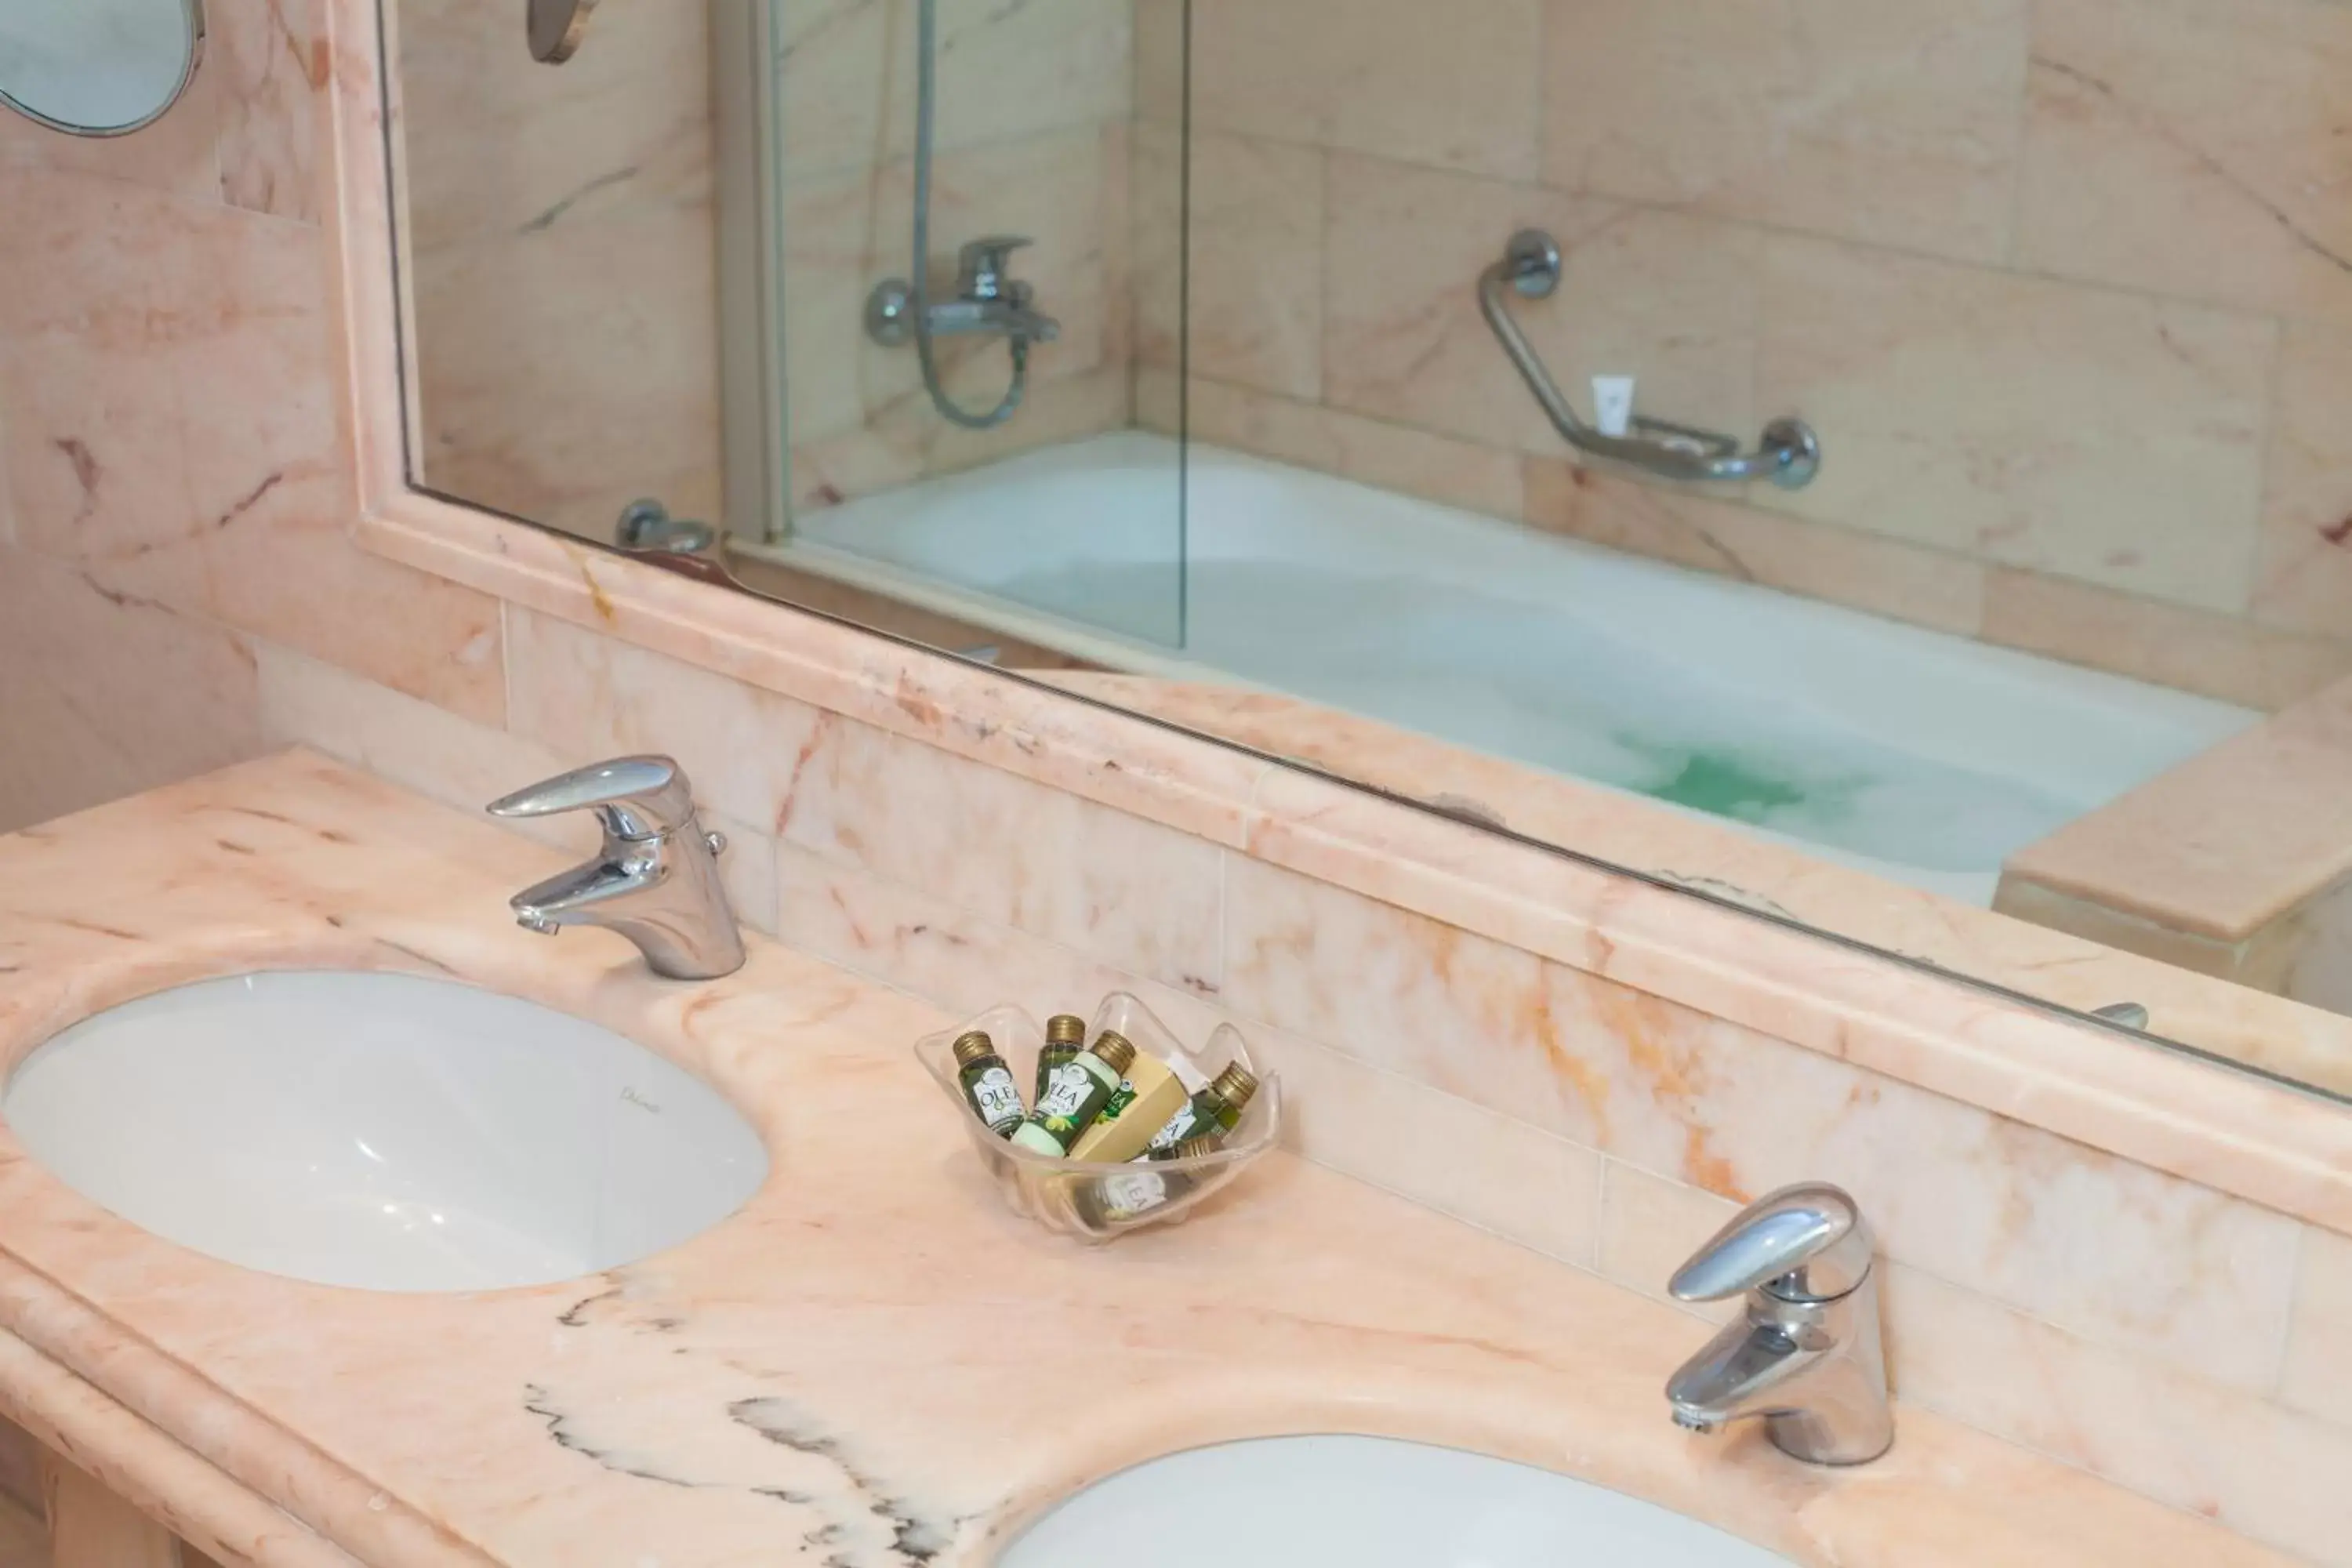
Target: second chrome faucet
[655, 879]
[1806, 1354]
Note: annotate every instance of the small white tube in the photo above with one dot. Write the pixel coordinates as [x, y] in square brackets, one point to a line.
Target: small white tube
[1613, 405]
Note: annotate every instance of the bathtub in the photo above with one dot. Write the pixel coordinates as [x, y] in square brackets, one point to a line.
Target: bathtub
[1914, 754]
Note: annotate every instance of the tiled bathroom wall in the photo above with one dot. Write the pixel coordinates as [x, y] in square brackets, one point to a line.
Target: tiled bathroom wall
[176, 487]
[1032, 137]
[2065, 286]
[560, 253]
[19, 1478]
[177, 587]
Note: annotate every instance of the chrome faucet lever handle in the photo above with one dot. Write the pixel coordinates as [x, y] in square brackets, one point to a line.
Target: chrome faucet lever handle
[1806, 1354]
[1806, 1243]
[980, 263]
[655, 881]
[634, 797]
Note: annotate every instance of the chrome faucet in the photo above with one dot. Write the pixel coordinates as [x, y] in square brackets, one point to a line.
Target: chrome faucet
[656, 881]
[1806, 1354]
[988, 301]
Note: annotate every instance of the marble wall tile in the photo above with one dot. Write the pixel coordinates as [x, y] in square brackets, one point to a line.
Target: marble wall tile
[243, 335]
[1482, 1167]
[2192, 147]
[1668, 297]
[1649, 1225]
[1451, 87]
[464, 766]
[1160, 54]
[846, 76]
[79, 252]
[916, 941]
[2076, 1236]
[2227, 1455]
[404, 739]
[2218, 655]
[176, 154]
[1132, 893]
[494, 143]
[1950, 1187]
[104, 694]
[2319, 1377]
[1891, 122]
[1458, 1011]
[912, 442]
[2093, 434]
[271, 56]
[559, 240]
[1733, 538]
[2303, 579]
[1401, 458]
[19, 1462]
[565, 371]
[96, 466]
[584, 696]
[1255, 293]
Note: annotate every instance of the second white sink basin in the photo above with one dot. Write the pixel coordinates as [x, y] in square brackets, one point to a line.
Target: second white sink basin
[381, 1131]
[1366, 1502]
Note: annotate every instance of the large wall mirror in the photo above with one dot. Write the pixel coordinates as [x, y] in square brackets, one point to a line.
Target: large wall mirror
[1825, 476]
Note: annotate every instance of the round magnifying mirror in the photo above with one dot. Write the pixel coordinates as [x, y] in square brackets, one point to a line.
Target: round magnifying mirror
[97, 67]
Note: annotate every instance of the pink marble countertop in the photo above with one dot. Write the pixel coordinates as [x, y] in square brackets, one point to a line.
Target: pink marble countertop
[868, 1365]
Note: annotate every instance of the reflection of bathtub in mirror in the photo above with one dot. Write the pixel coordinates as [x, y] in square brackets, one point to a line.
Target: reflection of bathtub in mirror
[1920, 756]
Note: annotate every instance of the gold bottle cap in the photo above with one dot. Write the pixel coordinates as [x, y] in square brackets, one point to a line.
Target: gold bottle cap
[1066, 1029]
[1235, 1085]
[969, 1047]
[1194, 1148]
[1114, 1050]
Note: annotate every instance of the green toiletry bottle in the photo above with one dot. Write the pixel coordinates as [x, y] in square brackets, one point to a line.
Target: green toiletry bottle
[988, 1084]
[1081, 1087]
[1214, 1111]
[1065, 1036]
[1131, 1194]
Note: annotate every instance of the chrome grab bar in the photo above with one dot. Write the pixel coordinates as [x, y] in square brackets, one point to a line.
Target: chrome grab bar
[1789, 453]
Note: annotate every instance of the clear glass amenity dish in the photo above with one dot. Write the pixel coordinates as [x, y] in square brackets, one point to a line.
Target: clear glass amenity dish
[1087, 1199]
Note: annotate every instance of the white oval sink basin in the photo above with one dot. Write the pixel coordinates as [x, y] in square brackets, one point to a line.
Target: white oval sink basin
[381, 1131]
[1368, 1502]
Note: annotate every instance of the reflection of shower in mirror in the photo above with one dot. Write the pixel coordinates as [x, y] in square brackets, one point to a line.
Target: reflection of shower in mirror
[988, 302]
[1233, 373]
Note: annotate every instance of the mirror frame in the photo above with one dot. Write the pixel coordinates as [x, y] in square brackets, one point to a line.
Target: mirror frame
[194, 12]
[2219, 1122]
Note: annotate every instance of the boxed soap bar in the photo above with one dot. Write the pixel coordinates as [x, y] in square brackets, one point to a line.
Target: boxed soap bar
[1159, 1094]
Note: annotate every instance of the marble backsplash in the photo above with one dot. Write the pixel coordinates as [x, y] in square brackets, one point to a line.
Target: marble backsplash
[178, 587]
[2062, 283]
[2188, 1344]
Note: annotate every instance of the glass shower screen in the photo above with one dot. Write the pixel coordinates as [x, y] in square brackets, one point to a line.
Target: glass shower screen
[971, 242]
